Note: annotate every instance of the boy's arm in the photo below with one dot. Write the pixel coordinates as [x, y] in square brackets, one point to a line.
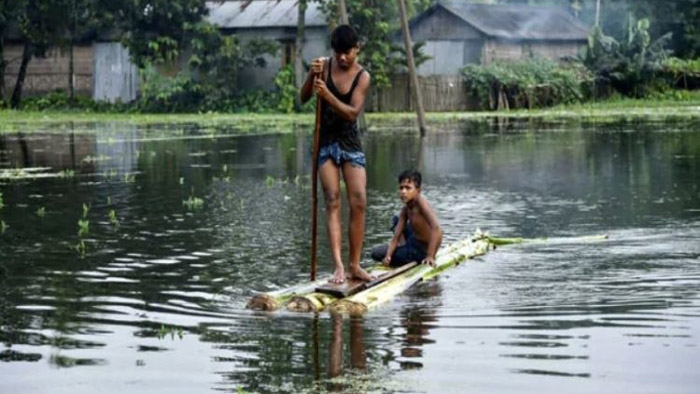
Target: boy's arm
[398, 230]
[318, 66]
[435, 230]
[357, 102]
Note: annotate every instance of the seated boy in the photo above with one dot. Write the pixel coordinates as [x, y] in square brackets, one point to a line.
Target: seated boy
[417, 232]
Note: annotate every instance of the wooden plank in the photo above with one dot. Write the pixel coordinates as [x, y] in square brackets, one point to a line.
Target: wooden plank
[350, 287]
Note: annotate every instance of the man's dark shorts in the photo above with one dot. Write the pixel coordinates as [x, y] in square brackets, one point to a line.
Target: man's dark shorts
[339, 156]
[410, 251]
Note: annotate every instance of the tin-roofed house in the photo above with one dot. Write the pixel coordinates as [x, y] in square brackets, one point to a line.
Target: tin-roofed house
[274, 20]
[457, 33]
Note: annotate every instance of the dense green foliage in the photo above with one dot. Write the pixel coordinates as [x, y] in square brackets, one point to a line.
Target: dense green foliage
[631, 65]
[530, 83]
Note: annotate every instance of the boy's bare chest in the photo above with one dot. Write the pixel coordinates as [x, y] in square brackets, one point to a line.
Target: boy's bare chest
[342, 80]
[416, 218]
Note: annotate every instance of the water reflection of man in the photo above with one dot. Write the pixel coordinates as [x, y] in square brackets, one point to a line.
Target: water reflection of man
[418, 321]
[358, 355]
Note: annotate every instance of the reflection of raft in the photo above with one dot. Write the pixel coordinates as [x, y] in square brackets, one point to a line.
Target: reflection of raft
[306, 298]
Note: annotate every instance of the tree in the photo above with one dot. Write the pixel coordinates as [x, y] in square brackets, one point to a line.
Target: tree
[39, 23]
[83, 18]
[412, 67]
[628, 65]
[155, 31]
[9, 10]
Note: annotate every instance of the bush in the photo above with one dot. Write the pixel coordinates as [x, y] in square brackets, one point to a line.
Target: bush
[529, 83]
[58, 100]
[681, 73]
[162, 93]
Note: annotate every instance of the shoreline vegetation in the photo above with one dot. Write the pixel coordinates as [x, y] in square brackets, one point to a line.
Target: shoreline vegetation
[680, 104]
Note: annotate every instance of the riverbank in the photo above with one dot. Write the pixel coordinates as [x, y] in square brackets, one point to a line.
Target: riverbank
[682, 105]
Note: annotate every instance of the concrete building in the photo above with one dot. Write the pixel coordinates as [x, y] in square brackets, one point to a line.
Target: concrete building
[458, 33]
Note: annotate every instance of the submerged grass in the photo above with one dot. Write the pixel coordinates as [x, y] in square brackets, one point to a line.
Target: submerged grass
[677, 104]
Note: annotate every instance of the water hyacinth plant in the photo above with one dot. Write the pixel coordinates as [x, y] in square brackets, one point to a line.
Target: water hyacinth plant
[193, 202]
[83, 227]
[113, 218]
[81, 248]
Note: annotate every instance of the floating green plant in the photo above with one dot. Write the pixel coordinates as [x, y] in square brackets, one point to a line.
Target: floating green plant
[109, 200]
[182, 180]
[1, 202]
[81, 248]
[110, 173]
[129, 178]
[94, 159]
[193, 202]
[269, 181]
[169, 330]
[113, 218]
[83, 227]
[3, 226]
[86, 209]
[41, 212]
[66, 174]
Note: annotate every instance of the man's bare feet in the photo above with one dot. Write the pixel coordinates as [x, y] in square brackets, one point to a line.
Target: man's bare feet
[338, 275]
[359, 273]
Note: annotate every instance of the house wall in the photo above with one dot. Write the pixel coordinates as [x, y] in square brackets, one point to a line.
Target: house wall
[50, 73]
[450, 42]
[555, 50]
[447, 57]
[316, 45]
[440, 93]
[116, 77]
[496, 50]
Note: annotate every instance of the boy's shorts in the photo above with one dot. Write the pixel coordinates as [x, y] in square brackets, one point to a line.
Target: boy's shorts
[410, 251]
[339, 156]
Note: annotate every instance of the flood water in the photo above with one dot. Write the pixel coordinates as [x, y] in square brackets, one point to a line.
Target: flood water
[152, 298]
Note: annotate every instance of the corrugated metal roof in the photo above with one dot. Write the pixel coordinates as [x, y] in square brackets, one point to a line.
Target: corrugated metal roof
[519, 22]
[262, 13]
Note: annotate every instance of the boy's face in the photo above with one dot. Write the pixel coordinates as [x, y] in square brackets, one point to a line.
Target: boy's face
[408, 190]
[346, 59]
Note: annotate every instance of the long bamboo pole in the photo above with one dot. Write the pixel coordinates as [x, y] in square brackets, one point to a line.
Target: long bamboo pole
[417, 95]
[343, 12]
[314, 189]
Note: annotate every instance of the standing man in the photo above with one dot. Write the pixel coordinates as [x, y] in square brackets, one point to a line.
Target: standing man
[342, 85]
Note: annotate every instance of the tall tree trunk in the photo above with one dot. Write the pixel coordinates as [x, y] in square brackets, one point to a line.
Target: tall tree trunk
[17, 93]
[299, 55]
[3, 65]
[343, 12]
[71, 72]
[413, 77]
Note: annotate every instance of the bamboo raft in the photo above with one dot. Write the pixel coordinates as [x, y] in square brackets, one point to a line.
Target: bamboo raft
[305, 297]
